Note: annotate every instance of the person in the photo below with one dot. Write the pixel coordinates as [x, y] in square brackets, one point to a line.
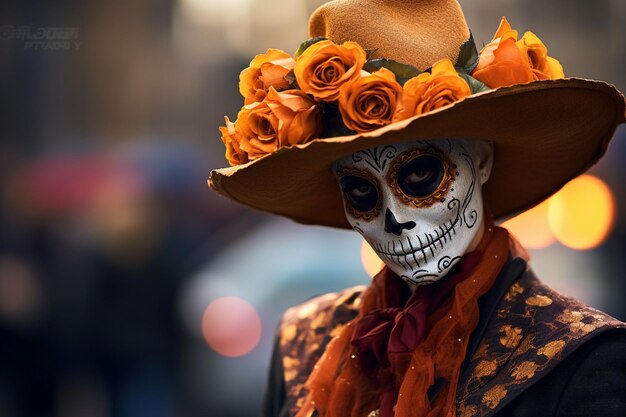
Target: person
[388, 121]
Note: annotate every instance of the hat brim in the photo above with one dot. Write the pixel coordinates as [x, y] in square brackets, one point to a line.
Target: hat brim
[545, 133]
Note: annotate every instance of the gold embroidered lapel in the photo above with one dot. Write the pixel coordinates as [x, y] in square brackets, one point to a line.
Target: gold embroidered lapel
[534, 328]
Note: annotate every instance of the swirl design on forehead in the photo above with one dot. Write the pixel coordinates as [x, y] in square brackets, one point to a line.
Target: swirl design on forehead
[376, 158]
[438, 195]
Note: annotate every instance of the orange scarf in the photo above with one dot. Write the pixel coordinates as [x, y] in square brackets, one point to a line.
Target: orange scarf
[339, 387]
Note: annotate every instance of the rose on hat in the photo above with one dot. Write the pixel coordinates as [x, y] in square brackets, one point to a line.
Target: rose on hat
[336, 77]
[506, 61]
[410, 72]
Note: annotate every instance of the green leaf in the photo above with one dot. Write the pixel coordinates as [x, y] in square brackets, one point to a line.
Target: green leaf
[304, 45]
[475, 85]
[403, 72]
[468, 56]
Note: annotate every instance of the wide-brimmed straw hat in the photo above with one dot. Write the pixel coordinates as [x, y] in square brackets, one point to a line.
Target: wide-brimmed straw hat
[545, 131]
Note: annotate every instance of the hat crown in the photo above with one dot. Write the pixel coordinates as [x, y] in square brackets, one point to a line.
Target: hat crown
[415, 32]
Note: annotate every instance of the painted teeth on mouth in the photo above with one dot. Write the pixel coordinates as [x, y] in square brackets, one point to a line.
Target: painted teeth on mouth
[396, 259]
[443, 235]
[413, 253]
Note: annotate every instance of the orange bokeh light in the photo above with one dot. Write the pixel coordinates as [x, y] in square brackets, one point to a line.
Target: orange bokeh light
[581, 215]
[370, 260]
[231, 326]
[531, 227]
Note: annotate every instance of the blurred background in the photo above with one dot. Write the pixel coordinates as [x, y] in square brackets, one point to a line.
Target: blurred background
[128, 288]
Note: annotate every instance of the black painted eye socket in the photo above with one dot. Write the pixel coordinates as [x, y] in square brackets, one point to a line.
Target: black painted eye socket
[421, 176]
[360, 192]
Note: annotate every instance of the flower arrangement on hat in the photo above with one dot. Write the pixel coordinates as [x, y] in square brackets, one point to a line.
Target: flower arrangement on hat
[329, 90]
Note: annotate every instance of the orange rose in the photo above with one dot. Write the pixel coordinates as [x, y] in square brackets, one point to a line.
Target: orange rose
[507, 61]
[543, 66]
[265, 71]
[324, 67]
[231, 138]
[281, 119]
[370, 102]
[428, 92]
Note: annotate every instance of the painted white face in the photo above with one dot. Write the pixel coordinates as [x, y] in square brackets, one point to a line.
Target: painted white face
[418, 204]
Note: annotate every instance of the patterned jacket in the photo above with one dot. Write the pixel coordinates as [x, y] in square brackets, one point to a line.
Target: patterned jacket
[533, 353]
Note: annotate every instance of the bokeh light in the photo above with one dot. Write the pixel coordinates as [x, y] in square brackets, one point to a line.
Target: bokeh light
[581, 215]
[370, 260]
[231, 326]
[531, 227]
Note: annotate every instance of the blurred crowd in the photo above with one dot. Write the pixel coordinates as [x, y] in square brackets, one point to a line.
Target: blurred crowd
[111, 245]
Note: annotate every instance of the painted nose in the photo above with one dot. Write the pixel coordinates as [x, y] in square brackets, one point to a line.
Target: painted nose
[392, 225]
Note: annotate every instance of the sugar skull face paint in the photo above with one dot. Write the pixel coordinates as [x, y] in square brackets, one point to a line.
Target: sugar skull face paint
[418, 204]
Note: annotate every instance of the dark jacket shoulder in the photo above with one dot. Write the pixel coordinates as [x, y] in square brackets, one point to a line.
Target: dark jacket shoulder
[589, 382]
[532, 331]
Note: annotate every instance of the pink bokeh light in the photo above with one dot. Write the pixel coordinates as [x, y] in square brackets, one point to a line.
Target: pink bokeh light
[231, 326]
